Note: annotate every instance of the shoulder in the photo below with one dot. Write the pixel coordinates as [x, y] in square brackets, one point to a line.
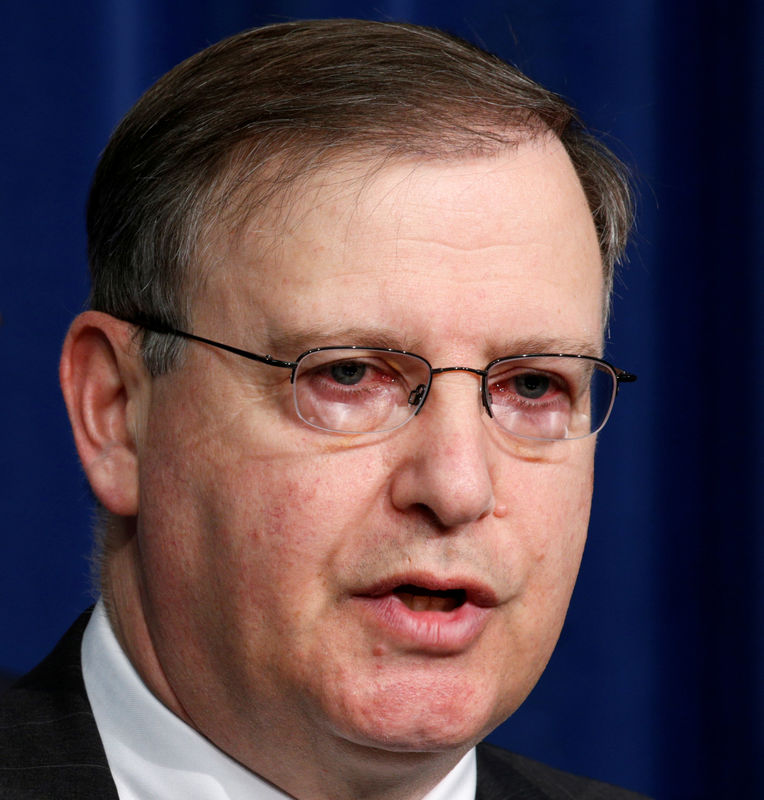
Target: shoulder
[507, 776]
[49, 743]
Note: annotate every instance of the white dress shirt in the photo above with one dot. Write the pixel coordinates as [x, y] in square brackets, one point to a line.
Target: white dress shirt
[154, 755]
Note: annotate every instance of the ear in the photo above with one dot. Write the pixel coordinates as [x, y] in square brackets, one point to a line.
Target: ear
[105, 386]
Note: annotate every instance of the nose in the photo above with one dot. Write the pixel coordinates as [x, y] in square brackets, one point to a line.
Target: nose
[446, 465]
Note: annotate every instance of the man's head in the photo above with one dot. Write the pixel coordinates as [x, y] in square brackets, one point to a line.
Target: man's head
[358, 609]
[232, 130]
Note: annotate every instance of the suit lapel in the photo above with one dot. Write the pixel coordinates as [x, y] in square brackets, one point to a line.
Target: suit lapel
[499, 779]
[49, 743]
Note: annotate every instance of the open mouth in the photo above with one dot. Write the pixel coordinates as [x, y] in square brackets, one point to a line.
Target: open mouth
[417, 598]
[427, 612]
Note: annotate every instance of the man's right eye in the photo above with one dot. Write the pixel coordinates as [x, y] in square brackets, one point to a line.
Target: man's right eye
[348, 373]
[359, 380]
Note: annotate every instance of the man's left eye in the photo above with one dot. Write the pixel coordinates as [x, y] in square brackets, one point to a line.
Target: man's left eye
[532, 385]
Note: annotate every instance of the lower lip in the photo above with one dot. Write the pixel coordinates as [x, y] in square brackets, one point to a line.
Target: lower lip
[442, 632]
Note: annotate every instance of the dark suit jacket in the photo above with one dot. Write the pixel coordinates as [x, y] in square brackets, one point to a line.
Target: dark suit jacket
[50, 748]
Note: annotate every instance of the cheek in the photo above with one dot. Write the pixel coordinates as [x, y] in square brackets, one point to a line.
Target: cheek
[555, 506]
[233, 568]
[551, 541]
[563, 541]
[253, 519]
[567, 517]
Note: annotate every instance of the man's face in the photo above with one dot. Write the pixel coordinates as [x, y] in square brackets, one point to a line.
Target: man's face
[277, 561]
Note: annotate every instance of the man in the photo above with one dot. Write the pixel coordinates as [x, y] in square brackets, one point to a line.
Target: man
[337, 397]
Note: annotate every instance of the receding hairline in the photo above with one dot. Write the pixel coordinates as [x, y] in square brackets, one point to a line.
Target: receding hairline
[231, 216]
[248, 194]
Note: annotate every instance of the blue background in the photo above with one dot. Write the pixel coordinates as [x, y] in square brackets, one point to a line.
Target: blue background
[657, 682]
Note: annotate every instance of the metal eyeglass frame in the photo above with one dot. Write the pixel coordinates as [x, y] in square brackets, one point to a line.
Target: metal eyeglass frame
[419, 395]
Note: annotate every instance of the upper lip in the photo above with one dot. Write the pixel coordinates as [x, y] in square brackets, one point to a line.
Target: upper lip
[476, 592]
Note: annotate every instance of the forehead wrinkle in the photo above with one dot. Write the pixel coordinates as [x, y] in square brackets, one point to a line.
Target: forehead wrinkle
[364, 183]
[457, 248]
[462, 230]
[394, 202]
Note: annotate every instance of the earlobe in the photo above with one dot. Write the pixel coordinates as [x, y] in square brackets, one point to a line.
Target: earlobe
[103, 381]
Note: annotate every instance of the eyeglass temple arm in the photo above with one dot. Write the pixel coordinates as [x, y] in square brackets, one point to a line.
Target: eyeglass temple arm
[156, 327]
[622, 376]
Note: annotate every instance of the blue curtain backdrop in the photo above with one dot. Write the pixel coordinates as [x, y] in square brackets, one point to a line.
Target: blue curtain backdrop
[658, 681]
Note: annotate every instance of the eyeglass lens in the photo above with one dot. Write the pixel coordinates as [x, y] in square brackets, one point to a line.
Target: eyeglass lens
[551, 397]
[362, 391]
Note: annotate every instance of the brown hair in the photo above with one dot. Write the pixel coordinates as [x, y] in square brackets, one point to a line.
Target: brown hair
[237, 124]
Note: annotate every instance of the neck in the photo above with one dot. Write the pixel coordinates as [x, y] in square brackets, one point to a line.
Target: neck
[371, 775]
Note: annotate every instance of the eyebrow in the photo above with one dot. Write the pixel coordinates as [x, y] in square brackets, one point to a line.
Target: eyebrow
[553, 344]
[280, 343]
[296, 342]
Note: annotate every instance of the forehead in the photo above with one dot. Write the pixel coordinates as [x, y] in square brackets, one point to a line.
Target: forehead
[411, 245]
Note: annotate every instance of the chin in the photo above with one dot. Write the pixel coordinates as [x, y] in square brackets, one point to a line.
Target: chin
[411, 719]
[430, 735]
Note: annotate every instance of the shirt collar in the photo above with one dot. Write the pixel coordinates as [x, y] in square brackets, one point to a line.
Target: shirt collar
[154, 755]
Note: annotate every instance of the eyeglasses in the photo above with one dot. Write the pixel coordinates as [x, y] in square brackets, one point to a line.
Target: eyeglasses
[355, 390]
